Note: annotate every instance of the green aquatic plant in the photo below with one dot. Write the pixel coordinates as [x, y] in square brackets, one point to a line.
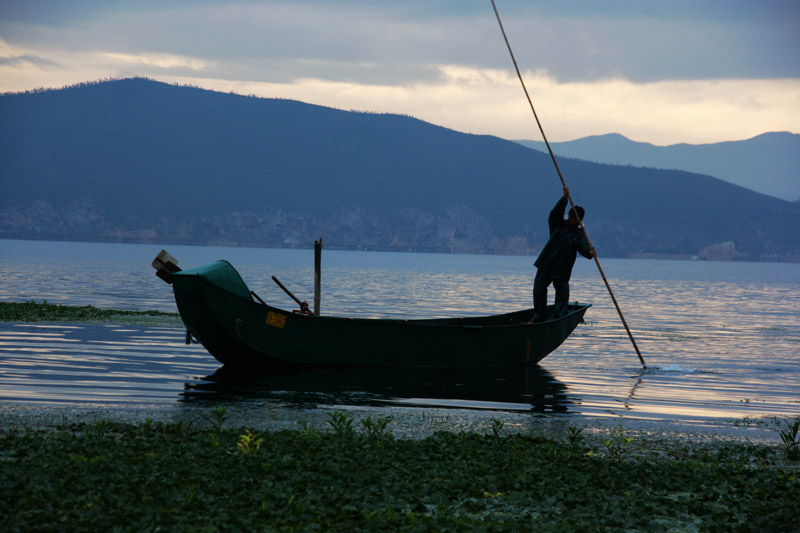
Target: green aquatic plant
[146, 427]
[217, 417]
[249, 443]
[308, 432]
[790, 439]
[46, 312]
[617, 446]
[574, 435]
[342, 425]
[497, 426]
[375, 430]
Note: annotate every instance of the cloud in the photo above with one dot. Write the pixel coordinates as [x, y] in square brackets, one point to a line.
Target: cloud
[26, 60]
[160, 61]
[656, 71]
[491, 101]
[388, 42]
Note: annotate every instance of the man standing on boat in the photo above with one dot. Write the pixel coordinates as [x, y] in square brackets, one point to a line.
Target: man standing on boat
[554, 264]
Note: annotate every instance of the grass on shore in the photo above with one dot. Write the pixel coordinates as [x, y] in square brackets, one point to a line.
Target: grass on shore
[350, 477]
[45, 312]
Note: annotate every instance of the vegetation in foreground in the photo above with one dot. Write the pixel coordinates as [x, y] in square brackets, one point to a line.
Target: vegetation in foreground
[45, 312]
[349, 477]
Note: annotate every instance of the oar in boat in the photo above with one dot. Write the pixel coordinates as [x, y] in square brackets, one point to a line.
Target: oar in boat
[563, 183]
[303, 305]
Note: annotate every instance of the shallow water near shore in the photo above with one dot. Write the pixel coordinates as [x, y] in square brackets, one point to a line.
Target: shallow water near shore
[721, 340]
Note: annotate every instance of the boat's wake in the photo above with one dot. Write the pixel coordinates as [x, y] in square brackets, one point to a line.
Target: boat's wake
[671, 370]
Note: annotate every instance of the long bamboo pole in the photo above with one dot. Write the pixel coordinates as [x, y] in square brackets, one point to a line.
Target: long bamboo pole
[564, 185]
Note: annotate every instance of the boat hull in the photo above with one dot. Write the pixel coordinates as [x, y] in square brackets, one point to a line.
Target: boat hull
[217, 309]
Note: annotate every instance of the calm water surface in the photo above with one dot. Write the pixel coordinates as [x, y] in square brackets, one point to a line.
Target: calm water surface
[721, 340]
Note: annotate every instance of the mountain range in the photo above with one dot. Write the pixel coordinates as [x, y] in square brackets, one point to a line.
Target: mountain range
[136, 160]
[768, 163]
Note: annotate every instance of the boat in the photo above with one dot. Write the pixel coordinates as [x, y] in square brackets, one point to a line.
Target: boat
[238, 328]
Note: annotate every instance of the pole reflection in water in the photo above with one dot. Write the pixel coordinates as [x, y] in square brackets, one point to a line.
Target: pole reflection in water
[499, 388]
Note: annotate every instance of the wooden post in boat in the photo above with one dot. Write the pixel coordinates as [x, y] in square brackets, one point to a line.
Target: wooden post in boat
[317, 274]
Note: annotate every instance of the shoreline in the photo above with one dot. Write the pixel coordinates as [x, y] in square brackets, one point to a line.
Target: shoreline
[405, 422]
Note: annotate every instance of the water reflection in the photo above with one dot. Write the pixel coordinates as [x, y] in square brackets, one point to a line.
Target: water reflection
[94, 364]
[505, 388]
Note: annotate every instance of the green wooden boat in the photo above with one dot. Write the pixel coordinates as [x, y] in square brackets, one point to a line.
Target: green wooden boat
[221, 312]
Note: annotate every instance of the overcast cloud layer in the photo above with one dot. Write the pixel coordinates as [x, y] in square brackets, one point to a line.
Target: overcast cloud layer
[660, 71]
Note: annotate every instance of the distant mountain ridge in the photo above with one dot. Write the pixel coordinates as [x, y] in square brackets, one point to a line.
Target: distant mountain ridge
[137, 160]
[768, 163]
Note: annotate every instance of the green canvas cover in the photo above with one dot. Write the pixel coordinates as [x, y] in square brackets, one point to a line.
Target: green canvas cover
[223, 275]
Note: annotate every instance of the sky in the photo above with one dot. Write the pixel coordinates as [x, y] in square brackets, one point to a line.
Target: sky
[657, 71]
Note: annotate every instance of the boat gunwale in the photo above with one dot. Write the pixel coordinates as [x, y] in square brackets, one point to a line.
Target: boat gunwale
[440, 322]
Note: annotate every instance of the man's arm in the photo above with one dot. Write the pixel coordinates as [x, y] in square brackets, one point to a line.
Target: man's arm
[557, 214]
[584, 248]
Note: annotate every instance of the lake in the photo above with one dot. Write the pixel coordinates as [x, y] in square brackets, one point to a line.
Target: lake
[721, 339]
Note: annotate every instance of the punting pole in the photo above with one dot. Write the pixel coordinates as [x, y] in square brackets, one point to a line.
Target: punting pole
[563, 183]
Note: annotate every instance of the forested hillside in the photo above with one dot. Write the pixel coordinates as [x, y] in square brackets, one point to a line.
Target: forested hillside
[143, 161]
